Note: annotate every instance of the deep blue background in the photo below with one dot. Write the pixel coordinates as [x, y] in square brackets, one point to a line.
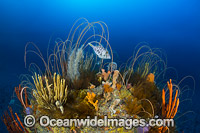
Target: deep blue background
[173, 25]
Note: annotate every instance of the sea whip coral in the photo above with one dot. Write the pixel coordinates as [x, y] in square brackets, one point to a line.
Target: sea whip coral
[18, 91]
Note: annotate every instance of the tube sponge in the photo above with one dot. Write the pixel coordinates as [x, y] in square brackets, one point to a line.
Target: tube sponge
[115, 76]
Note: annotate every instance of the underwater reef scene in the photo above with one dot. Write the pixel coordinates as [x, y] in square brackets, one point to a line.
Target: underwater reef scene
[81, 78]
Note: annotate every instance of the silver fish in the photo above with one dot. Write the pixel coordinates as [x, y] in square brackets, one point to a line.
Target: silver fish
[100, 51]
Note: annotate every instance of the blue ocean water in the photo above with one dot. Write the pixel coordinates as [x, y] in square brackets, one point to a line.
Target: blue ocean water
[172, 25]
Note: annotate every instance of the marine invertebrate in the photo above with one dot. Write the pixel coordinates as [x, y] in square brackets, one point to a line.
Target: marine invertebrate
[118, 86]
[133, 106]
[115, 76]
[73, 63]
[146, 69]
[90, 97]
[143, 89]
[104, 74]
[107, 88]
[19, 92]
[60, 106]
[69, 87]
[145, 61]
[107, 97]
[70, 66]
[88, 62]
[143, 129]
[49, 97]
[169, 110]
[124, 93]
[11, 123]
[113, 105]
[112, 66]
[92, 86]
[150, 77]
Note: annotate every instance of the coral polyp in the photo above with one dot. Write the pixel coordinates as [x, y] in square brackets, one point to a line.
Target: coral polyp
[80, 80]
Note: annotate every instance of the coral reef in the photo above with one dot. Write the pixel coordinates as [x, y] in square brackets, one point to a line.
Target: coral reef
[144, 89]
[75, 84]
